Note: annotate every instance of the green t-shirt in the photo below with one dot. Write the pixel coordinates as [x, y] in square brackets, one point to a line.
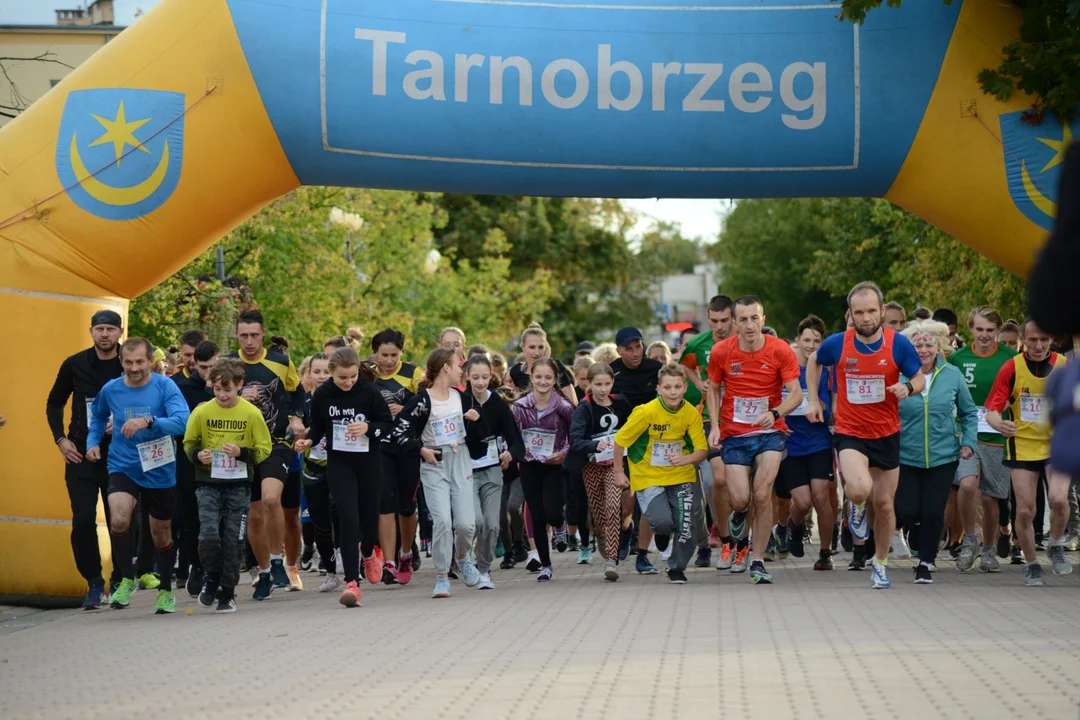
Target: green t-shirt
[979, 372]
[696, 358]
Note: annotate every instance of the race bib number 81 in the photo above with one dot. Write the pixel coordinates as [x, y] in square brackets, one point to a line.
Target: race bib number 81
[865, 390]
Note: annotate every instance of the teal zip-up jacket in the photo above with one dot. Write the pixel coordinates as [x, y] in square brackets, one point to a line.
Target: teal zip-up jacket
[928, 421]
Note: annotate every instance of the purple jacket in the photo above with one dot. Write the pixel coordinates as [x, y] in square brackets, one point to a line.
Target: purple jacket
[557, 417]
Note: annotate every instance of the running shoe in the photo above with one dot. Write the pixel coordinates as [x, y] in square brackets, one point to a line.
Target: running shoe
[643, 566]
[390, 574]
[1033, 576]
[879, 576]
[624, 542]
[1016, 555]
[350, 596]
[584, 557]
[166, 602]
[858, 558]
[922, 575]
[796, 539]
[737, 528]
[499, 549]
[442, 588]
[770, 549]
[954, 550]
[573, 543]
[856, 521]
[469, 573]
[669, 547]
[95, 594]
[1059, 564]
[180, 580]
[331, 583]
[307, 558]
[846, 541]
[209, 592]
[727, 556]
[780, 532]
[558, 538]
[824, 561]
[677, 577]
[742, 561]
[264, 587]
[520, 553]
[253, 573]
[453, 573]
[194, 583]
[278, 576]
[121, 596]
[295, 583]
[611, 571]
[507, 562]
[1003, 543]
[758, 574]
[148, 581]
[1040, 543]
[987, 562]
[226, 603]
[704, 558]
[533, 565]
[404, 570]
[545, 575]
[372, 568]
[836, 537]
[485, 582]
[898, 549]
[1072, 541]
[714, 536]
[966, 559]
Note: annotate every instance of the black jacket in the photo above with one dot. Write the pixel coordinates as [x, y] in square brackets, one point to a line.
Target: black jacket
[591, 421]
[497, 420]
[405, 437]
[82, 375]
[331, 405]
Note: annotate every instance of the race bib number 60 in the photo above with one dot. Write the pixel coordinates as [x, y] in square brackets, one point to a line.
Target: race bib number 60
[539, 443]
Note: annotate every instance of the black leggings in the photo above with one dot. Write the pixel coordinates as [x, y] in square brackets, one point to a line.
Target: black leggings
[321, 511]
[577, 505]
[921, 496]
[356, 491]
[543, 486]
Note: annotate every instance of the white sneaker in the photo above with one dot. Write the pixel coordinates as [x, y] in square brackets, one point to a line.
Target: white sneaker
[899, 549]
[485, 582]
[532, 564]
[331, 583]
[667, 552]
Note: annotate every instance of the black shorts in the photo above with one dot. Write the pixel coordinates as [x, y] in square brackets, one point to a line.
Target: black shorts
[1035, 466]
[401, 480]
[160, 502]
[276, 466]
[883, 453]
[290, 494]
[796, 472]
[713, 452]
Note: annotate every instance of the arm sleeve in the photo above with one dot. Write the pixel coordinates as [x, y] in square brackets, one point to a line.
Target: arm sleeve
[260, 434]
[509, 430]
[968, 415]
[62, 389]
[789, 364]
[409, 424]
[293, 386]
[316, 423]
[998, 399]
[828, 353]
[716, 364]
[697, 432]
[479, 431]
[579, 430]
[688, 359]
[193, 437]
[99, 420]
[905, 357]
[565, 378]
[636, 424]
[381, 421]
[566, 413]
[176, 412]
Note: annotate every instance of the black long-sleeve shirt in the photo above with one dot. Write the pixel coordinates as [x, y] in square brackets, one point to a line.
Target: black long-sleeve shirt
[497, 420]
[81, 376]
[330, 406]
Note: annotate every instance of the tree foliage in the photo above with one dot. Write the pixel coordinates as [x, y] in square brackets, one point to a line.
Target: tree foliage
[1044, 62]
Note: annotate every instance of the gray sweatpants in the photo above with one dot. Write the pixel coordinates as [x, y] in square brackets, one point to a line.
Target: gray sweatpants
[448, 491]
[488, 484]
[223, 511]
[704, 486]
[670, 511]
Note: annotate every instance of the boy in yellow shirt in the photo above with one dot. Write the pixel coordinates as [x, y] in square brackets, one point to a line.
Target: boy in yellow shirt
[664, 440]
[225, 439]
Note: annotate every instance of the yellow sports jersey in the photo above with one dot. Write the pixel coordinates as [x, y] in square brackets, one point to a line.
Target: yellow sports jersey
[652, 434]
[399, 386]
[210, 426]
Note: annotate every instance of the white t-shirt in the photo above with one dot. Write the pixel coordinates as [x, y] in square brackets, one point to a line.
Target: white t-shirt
[439, 410]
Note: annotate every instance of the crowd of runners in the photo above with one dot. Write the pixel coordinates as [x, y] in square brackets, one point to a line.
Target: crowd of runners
[895, 437]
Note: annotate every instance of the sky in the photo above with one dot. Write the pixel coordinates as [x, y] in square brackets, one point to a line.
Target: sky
[697, 218]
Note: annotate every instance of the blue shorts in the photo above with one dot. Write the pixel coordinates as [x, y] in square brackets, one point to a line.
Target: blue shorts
[713, 452]
[742, 449]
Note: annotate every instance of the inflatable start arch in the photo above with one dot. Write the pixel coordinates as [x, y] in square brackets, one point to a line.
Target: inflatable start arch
[205, 110]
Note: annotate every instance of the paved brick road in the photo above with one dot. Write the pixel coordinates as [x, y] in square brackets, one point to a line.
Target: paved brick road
[969, 646]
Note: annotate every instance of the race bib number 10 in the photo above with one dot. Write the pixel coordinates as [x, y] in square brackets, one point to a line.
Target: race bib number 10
[1032, 408]
[448, 430]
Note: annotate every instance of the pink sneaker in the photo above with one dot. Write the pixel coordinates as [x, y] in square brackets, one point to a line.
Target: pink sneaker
[350, 597]
[373, 568]
[404, 570]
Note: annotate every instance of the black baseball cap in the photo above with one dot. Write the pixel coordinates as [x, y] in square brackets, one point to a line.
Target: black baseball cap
[627, 335]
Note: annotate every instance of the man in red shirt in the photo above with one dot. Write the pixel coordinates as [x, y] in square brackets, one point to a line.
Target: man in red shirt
[754, 368]
[868, 360]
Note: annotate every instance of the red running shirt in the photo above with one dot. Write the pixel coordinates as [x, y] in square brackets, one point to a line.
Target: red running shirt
[864, 407]
[753, 382]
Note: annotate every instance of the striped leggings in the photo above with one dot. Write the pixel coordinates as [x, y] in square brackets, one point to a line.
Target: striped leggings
[605, 503]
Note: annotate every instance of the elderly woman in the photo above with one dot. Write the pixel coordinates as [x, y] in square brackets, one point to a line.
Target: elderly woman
[930, 444]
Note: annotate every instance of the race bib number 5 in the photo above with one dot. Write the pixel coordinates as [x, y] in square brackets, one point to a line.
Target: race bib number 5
[156, 453]
[866, 390]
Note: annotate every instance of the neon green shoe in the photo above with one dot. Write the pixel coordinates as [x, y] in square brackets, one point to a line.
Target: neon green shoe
[166, 602]
[121, 596]
[149, 581]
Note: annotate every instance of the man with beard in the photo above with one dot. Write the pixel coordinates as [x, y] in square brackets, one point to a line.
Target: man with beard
[869, 360]
[82, 376]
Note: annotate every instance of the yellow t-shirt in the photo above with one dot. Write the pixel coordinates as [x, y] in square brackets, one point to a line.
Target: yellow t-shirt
[210, 426]
[654, 432]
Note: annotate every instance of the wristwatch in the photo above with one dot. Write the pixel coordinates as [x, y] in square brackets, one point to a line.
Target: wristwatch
[149, 422]
[775, 414]
[910, 388]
